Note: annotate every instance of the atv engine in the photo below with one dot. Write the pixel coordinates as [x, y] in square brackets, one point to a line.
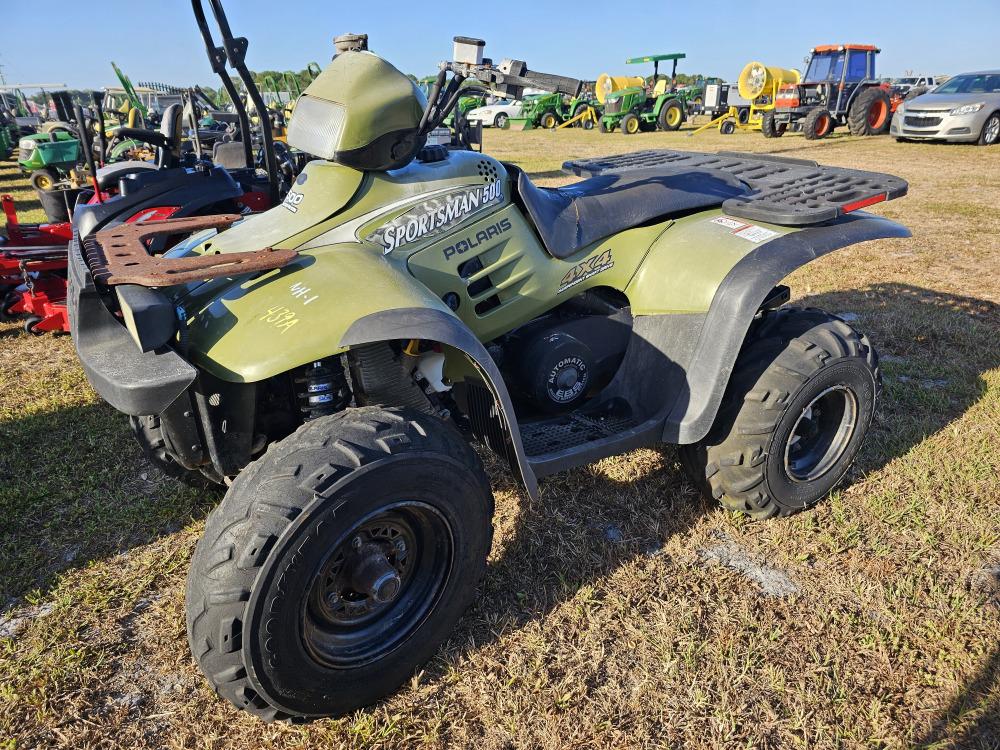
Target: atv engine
[555, 362]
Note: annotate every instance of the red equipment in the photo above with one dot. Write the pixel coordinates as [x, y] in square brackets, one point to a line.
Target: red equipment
[33, 272]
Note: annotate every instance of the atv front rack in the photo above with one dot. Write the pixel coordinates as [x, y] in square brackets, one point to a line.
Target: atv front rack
[790, 192]
[120, 257]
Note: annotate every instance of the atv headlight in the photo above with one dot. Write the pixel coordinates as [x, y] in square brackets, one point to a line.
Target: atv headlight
[316, 126]
[967, 109]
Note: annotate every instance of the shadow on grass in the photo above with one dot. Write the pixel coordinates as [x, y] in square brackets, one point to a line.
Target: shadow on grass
[978, 699]
[935, 347]
[74, 487]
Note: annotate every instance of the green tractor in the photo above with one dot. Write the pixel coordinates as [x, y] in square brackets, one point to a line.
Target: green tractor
[329, 361]
[658, 104]
[547, 111]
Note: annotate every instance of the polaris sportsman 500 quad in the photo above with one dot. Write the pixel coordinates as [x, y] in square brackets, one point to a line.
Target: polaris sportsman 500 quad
[331, 359]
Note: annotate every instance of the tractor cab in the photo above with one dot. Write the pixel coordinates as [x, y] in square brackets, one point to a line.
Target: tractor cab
[839, 88]
[834, 74]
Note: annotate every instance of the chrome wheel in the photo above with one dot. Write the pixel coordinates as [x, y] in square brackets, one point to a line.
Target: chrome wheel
[991, 131]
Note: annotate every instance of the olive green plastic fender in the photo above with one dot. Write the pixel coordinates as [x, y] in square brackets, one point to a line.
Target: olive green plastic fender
[287, 325]
[258, 328]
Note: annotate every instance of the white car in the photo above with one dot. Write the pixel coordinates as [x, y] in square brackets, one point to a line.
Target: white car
[495, 115]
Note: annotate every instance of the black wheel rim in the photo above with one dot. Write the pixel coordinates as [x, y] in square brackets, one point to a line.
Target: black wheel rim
[821, 434]
[379, 582]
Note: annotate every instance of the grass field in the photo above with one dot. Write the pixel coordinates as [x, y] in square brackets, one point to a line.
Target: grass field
[620, 610]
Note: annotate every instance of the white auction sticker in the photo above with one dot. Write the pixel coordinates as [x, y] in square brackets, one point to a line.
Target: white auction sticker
[724, 221]
[753, 233]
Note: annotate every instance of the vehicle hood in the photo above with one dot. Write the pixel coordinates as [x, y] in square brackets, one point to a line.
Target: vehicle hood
[947, 101]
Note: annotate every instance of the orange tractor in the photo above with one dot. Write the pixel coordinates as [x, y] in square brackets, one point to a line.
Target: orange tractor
[839, 88]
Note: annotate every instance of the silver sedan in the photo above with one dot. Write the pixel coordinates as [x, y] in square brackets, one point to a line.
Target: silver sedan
[964, 109]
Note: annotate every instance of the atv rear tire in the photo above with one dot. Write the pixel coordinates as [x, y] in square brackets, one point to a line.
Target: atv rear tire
[871, 112]
[817, 124]
[801, 398]
[338, 562]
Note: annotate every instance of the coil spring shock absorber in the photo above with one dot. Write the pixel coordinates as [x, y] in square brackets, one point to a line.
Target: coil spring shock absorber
[321, 388]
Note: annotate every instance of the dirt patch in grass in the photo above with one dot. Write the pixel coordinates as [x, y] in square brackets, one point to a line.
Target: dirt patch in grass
[603, 621]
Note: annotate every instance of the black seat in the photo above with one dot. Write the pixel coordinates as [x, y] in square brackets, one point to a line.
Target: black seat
[571, 217]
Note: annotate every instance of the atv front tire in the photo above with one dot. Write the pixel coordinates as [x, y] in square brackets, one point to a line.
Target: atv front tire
[338, 562]
[799, 403]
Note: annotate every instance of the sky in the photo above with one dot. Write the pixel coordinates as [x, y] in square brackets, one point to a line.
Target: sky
[157, 40]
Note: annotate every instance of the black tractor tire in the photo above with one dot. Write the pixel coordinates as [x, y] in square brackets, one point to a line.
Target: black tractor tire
[10, 299]
[631, 124]
[916, 91]
[29, 325]
[743, 115]
[149, 434]
[44, 179]
[500, 121]
[781, 406]
[870, 113]
[727, 126]
[267, 580]
[587, 124]
[990, 134]
[770, 128]
[817, 124]
[549, 120]
[579, 110]
[671, 110]
[603, 126]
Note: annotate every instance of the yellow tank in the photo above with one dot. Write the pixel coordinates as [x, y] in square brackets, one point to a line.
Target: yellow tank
[757, 79]
[608, 84]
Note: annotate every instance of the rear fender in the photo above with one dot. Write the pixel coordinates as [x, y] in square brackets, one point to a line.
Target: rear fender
[734, 305]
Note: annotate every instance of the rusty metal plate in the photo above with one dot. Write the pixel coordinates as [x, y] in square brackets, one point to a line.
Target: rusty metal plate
[126, 261]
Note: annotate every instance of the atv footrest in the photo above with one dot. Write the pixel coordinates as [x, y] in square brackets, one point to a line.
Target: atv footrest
[569, 431]
[790, 192]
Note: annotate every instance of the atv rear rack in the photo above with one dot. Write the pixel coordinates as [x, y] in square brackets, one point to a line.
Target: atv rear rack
[790, 192]
[120, 257]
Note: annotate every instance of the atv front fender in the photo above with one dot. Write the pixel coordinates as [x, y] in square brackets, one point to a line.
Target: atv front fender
[442, 326]
[736, 302]
[251, 330]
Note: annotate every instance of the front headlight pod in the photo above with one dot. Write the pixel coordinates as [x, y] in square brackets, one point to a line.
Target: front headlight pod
[968, 109]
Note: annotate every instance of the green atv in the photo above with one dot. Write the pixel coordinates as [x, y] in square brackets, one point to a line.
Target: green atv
[658, 104]
[332, 359]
